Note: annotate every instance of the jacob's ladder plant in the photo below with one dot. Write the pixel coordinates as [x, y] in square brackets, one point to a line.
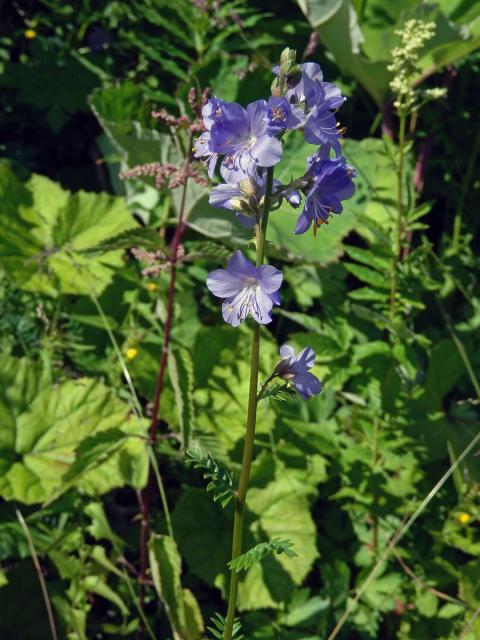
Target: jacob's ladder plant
[241, 147]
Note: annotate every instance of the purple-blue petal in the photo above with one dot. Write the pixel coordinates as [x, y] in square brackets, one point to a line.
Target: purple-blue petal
[266, 151]
[269, 278]
[222, 194]
[223, 284]
[241, 267]
[307, 384]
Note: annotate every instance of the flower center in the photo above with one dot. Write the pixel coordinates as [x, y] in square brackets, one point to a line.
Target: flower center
[278, 113]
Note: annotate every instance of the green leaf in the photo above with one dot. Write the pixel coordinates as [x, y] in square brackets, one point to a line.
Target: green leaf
[273, 582]
[220, 480]
[376, 184]
[371, 257]
[180, 371]
[165, 565]
[96, 584]
[367, 275]
[206, 249]
[218, 630]
[319, 11]
[46, 229]
[427, 604]
[221, 375]
[259, 551]
[280, 392]
[145, 237]
[43, 438]
[342, 35]
[213, 223]
[54, 102]
[307, 612]
[197, 521]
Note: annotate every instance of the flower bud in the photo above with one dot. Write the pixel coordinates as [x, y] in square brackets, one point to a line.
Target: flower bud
[285, 67]
[288, 55]
[276, 88]
[237, 204]
[294, 71]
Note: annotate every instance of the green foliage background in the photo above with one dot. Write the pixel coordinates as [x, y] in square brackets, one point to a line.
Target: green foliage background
[335, 476]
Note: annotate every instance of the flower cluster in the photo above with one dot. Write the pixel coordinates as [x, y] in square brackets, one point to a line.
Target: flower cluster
[242, 143]
[240, 146]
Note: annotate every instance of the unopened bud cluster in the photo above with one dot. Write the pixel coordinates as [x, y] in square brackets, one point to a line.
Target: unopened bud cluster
[289, 72]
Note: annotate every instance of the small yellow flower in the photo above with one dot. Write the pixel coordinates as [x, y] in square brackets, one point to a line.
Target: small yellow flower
[132, 353]
[152, 286]
[464, 518]
[30, 34]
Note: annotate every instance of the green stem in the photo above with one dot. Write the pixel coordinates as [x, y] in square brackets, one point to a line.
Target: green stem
[376, 429]
[251, 423]
[41, 579]
[161, 489]
[398, 247]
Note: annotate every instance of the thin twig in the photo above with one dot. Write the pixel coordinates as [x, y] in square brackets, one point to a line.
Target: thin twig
[137, 407]
[422, 583]
[469, 624]
[41, 579]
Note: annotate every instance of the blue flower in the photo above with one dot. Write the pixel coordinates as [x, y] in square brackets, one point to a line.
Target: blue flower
[331, 182]
[295, 369]
[282, 115]
[312, 90]
[248, 290]
[294, 197]
[240, 135]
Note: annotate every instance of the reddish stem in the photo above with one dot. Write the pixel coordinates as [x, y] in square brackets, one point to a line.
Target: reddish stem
[181, 226]
[144, 495]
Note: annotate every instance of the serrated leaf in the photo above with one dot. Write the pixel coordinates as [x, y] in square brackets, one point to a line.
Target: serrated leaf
[40, 440]
[205, 249]
[371, 257]
[218, 631]
[145, 237]
[259, 551]
[365, 293]
[367, 275]
[220, 481]
[280, 392]
[46, 230]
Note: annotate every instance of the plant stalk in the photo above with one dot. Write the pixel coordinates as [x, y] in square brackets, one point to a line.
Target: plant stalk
[240, 500]
[400, 215]
[144, 498]
[38, 569]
